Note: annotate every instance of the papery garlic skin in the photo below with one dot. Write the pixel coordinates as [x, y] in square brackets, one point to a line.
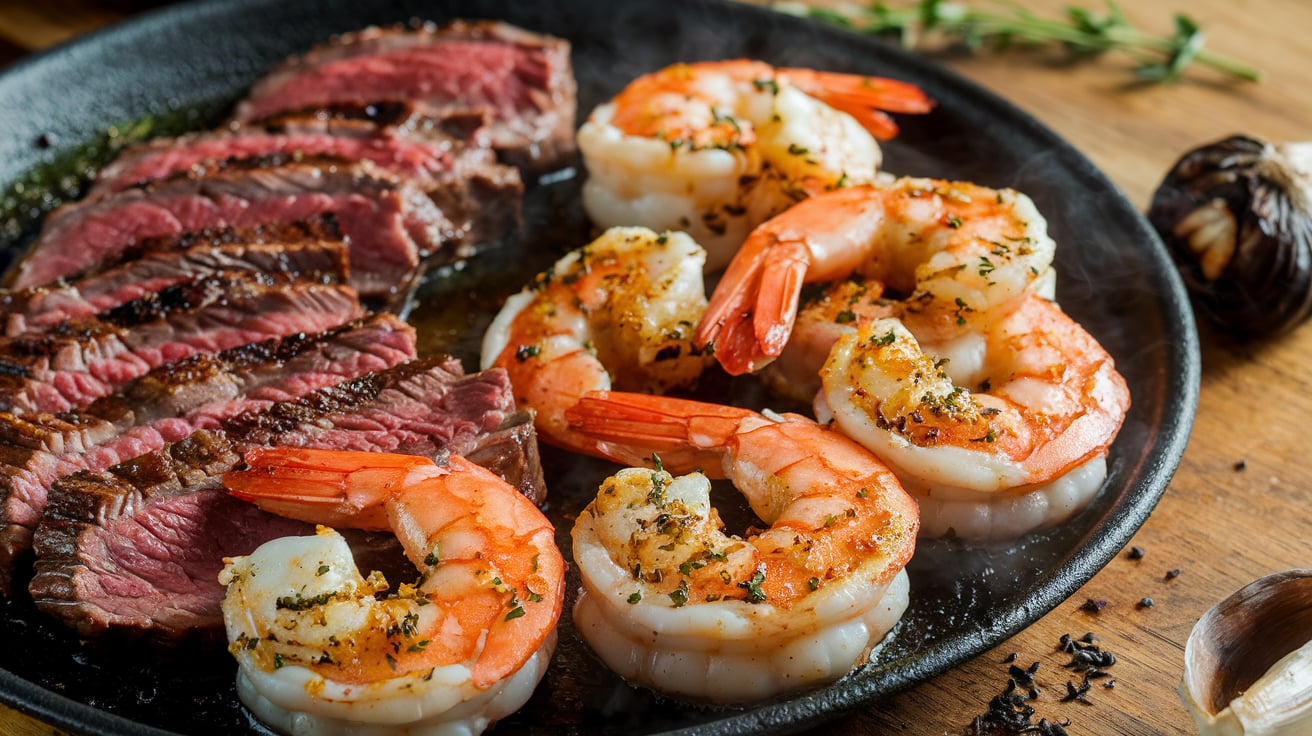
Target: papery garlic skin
[1240, 630]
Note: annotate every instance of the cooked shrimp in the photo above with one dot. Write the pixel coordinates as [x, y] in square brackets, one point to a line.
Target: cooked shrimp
[321, 651]
[1017, 442]
[955, 249]
[620, 309]
[839, 309]
[715, 148]
[672, 602]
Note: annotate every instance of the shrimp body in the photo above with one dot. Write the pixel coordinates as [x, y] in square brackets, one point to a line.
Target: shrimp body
[620, 310]
[321, 650]
[1012, 440]
[672, 602]
[715, 148]
[953, 249]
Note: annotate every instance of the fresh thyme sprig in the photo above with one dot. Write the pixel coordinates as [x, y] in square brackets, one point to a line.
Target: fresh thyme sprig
[1082, 33]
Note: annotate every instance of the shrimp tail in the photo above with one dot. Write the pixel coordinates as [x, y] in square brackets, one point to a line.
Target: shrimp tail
[631, 428]
[864, 98]
[749, 319]
[341, 489]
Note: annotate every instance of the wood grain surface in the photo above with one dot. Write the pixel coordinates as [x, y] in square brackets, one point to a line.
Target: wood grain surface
[1238, 508]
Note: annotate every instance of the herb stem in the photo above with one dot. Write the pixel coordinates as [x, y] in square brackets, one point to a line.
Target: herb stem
[1083, 34]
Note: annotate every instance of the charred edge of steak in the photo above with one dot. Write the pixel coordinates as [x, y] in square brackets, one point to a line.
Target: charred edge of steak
[41, 308]
[345, 398]
[406, 118]
[190, 296]
[155, 394]
[321, 228]
[260, 163]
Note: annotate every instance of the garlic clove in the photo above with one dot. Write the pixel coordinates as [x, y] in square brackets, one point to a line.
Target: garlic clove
[1248, 661]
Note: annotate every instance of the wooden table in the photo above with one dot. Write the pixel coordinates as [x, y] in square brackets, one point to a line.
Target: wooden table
[1239, 506]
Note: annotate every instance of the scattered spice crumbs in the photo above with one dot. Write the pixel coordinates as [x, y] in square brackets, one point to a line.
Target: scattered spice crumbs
[1091, 605]
[1011, 712]
[1173, 573]
[1241, 465]
[1146, 602]
[1135, 553]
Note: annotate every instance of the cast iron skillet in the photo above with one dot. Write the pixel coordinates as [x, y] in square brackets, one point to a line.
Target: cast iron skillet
[1114, 276]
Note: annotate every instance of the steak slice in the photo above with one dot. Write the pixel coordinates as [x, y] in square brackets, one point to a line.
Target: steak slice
[390, 224]
[137, 548]
[460, 174]
[523, 80]
[42, 308]
[85, 359]
[170, 403]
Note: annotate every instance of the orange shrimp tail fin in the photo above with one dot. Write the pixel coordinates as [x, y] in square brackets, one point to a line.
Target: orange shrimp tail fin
[750, 315]
[331, 487]
[865, 98]
[629, 428]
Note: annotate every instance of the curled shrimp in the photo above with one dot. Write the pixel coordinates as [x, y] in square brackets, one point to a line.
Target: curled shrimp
[715, 148]
[1016, 443]
[672, 602]
[953, 249]
[621, 309]
[320, 650]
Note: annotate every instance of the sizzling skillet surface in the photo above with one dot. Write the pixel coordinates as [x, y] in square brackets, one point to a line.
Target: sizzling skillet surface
[189, 63]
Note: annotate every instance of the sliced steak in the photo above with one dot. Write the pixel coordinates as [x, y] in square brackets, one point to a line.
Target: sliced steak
[42, 308]
[401, 118]
[319, 229]
[389, 223]
[138, 547]
[420, 161]
[170, 403]
[82, 360]
[460, 174]
[524, 80]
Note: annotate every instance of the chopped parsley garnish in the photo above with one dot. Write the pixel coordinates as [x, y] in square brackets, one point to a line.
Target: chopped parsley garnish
[885, 339]
[680, 596]
[753, 587]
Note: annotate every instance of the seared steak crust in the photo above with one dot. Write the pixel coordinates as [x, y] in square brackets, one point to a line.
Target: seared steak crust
[42, 308]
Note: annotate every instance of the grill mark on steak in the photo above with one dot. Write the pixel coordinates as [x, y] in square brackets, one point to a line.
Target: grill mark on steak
[82, 360]
[317, 229]
[170, 403]
[137, 548]
[42, 308]
[523, 80]
[389, 223]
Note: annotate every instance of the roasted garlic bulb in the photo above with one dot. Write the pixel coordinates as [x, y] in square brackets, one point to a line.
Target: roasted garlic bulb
[1237, 217]
[1248, 661]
